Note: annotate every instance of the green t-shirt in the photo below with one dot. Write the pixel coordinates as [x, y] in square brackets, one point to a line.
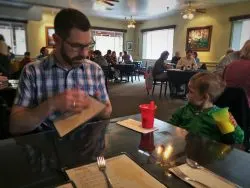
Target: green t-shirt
[202, 123]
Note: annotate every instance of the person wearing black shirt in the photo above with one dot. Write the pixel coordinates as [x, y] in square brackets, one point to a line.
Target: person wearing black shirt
[176, 58]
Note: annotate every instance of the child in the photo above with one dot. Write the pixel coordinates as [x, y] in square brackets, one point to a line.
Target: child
[201, 116]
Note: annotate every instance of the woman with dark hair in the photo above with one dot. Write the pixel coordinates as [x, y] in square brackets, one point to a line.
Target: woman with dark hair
[114, 58]
[160, 67]
[197, 60]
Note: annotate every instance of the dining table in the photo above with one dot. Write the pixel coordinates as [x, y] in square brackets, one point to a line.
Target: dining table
[178, 78]
[126, 70]
[40, 160]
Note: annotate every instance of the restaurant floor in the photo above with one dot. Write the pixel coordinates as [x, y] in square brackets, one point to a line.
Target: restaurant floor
[126, 98]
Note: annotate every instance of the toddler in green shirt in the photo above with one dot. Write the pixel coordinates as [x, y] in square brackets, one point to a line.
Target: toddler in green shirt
[202, 117]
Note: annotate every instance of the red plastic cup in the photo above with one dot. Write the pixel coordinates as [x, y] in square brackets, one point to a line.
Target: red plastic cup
[148, 114]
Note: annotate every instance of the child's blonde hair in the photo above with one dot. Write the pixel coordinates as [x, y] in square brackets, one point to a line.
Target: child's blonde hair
[208, 83]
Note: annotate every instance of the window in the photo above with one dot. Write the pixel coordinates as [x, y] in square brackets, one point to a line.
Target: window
[240, 33]
[108, 40]
[155, 42]
[15, 36]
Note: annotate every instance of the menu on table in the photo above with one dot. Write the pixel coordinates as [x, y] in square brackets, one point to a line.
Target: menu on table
[121, 170]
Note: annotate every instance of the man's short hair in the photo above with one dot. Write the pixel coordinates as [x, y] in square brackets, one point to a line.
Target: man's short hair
[208, 83]
[68, 19]
[109, 52]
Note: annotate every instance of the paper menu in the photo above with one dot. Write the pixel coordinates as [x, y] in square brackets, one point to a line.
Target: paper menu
[65, 125]
[67, 185]
[122, 171]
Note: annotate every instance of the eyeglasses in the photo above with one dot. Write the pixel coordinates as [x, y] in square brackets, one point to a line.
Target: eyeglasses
[79, 47]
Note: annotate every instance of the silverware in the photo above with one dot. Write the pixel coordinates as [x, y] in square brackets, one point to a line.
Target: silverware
[193, 164]
[102, 167]
[184, 177]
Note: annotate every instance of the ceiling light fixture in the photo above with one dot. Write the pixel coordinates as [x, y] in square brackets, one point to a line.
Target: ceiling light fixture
[188, 16]
[131, 22]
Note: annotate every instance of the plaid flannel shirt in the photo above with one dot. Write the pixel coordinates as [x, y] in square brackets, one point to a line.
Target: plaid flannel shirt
[44, 79]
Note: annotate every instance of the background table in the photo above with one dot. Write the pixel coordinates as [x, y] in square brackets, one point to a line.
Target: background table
[177, 78]
[37, 160]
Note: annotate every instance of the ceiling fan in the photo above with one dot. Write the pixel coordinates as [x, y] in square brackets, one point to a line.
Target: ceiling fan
[189, 10]
[108, 2]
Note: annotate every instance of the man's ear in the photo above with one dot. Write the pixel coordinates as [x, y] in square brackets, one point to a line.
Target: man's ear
[57, 39]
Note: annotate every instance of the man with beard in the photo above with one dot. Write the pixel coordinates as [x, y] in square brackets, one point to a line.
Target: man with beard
[63, 81]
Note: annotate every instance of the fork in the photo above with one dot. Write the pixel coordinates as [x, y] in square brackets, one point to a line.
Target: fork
[183, 176]
[102, 167]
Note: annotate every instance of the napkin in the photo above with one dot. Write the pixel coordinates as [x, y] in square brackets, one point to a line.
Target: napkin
[135, 125]
[65, 125]
[204, 176]
[121, 170]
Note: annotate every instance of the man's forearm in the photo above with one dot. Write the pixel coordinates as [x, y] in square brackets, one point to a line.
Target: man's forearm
[23, 120]
[106, 113]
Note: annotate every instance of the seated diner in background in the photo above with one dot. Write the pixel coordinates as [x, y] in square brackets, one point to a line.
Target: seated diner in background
[176, 58]
[44, 52]
[26, 59]
[187, 62]
[127, 58]
[200, 115]
[114, 58]
[229, 59]
[64, 83]
[99, 59]
[237, 73]
[159, 69]
[3, 82]
[120, 59]
[197, 60]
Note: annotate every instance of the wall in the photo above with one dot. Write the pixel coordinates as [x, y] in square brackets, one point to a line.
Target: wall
[36, 30]
[218, 17]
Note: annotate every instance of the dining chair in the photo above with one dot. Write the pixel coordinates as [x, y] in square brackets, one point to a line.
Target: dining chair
[160, 83]
[236, 100]
[137, 69]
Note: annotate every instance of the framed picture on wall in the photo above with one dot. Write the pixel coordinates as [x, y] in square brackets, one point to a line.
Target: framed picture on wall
[129, 46]
[199, 38]
[49, 31]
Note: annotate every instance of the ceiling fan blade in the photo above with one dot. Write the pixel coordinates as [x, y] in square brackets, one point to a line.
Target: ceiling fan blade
[200, 10]
[108, 3]
[114, 1]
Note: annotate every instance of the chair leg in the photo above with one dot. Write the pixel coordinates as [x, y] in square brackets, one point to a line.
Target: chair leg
[166, 86]
[161, 89]
[132, 79]
[153, 89]
[138, 76]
